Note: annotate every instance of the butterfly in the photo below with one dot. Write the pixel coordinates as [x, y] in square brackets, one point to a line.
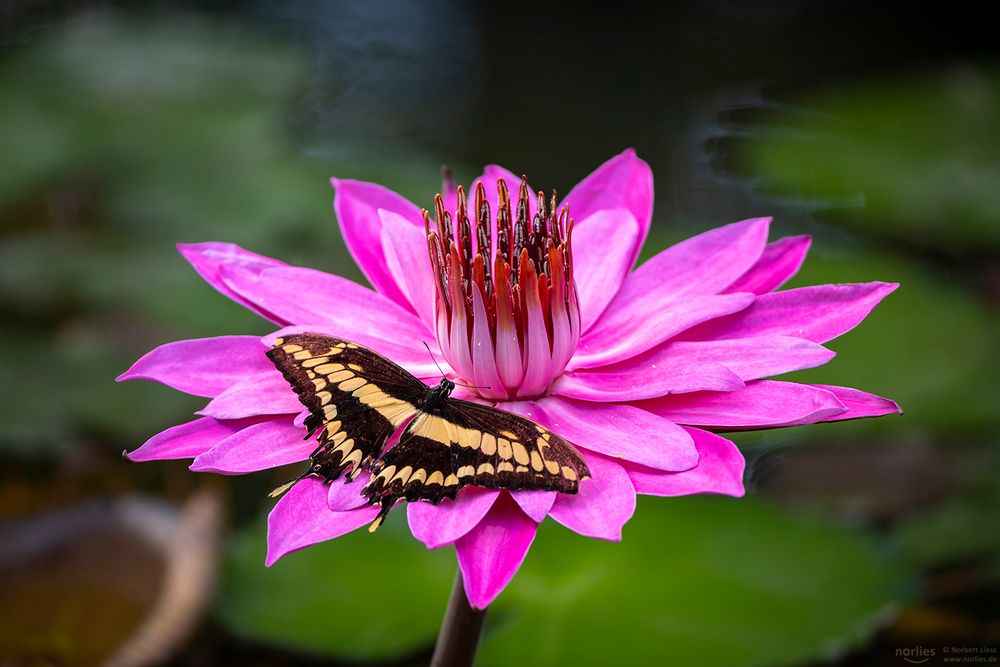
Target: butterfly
[357, 399]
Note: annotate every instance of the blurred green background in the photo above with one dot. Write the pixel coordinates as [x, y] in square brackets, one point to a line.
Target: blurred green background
[126, 127]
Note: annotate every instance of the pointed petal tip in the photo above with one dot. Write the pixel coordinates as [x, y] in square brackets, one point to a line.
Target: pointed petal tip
[762, 222]
[888, 287]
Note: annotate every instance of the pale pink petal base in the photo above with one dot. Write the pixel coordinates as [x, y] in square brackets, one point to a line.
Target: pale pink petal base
[490, 554]
[301, 518]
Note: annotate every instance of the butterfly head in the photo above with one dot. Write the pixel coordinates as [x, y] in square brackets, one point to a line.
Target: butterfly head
[438, 394]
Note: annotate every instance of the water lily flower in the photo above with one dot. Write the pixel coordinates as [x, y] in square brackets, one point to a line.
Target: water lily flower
[536, 303]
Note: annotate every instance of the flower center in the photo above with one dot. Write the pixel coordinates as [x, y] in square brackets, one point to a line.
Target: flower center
[507, 314]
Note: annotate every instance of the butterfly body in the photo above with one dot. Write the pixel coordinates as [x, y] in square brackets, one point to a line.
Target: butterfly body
[357, 399]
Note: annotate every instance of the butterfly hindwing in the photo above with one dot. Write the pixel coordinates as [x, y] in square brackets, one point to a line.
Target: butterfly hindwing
[356, 398]
[457, 443]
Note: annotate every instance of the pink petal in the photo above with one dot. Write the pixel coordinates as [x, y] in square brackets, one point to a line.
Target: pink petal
[301, 518]
[202, 366]
[860, 404]
[645, 324]
[537, 356]
[308, 297]
[438, 525]
[819, 313]
[603, 505]
[343, 494]
[703, 264]
[208, 258]
[188, 440]
[719, 470]
[405, 248]
[536, 504]
[484, 366]
[763, 404]
[490, 554]
[410, 354]
[624, 181]
[749, 358]
[264, 394]
[616, 431]
[356, 204]
[631, 381]
[603, 246]
[777, 264]
[269, 444]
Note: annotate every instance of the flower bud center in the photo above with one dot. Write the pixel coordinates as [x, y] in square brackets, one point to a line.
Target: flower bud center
[506, 306]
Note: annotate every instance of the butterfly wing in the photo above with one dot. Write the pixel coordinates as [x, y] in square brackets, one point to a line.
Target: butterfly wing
[356, 398]
[458, 443]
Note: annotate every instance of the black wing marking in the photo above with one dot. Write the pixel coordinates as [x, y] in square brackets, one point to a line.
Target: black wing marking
[458, 443]
[356, 399]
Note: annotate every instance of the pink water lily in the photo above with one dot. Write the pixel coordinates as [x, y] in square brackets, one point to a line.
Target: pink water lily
[638, 367]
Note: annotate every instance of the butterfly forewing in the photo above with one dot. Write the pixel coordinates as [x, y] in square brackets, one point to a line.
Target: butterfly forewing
[356, 398]
[457, 443]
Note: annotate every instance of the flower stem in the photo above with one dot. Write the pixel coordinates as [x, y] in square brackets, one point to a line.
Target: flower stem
[460, 630]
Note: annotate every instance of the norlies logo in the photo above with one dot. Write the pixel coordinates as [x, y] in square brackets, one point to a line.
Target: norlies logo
[916, 655]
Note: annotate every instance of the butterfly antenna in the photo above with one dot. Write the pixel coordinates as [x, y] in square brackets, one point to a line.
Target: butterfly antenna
[459, 384]
[440, 370]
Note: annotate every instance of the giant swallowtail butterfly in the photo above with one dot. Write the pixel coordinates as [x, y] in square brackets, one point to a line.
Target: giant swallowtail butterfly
[357, 399]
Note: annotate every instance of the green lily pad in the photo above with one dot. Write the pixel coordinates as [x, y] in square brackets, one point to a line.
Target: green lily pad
[955, 530]
[913, 159]
[359, 597]
[696, 581]
[702, 581]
